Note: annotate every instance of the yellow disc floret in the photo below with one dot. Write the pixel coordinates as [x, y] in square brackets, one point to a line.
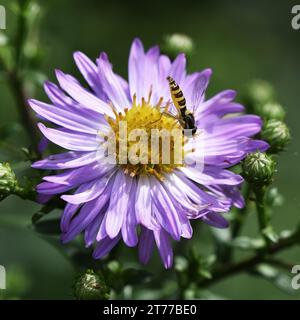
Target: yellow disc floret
[148, 141]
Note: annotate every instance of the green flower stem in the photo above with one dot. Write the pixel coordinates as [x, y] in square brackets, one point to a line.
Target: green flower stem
[241, 214]
[247, 264]
[260, 207]
[15, 80]
[263, 215]
[224, 251]
[22, 31]
[17, 87]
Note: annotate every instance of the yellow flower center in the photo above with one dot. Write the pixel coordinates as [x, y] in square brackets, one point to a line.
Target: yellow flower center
[148, 140]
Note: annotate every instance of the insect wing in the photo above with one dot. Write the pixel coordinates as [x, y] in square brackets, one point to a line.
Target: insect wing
[199, 89]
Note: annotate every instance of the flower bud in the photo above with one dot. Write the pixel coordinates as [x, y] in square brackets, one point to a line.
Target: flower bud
[178, 43]
[91, 286]
[277, 134]
[270, 110]
[258, 93]
[8, 180]
[258, 169]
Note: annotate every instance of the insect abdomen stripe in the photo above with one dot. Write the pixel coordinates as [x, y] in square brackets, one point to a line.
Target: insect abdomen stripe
[175, 89]
[182, 102]
[178, 95]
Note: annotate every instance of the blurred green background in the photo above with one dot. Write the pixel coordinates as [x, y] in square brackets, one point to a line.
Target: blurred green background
[239, 40]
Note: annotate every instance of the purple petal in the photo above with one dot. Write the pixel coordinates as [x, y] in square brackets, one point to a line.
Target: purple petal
[144, 72]
[230, 192]
[164, 65]
[204, 199]
[212, 176]
[165, 209]
[118, 204]
[92, 229]
[151, 76]
[64, 117]
[49, 188]
[222, 153]
[229, 128]
[111, 84]
[81, 95]
[146, 244]
[178, 68]
[69, 179]
[216, 220]
[199, 86]
[105, 246]
[164, 247]
[102, 234]
[79, 175]
[129, 233]
[220, 110]
[143, 208]
[43, 144]
[90, 73]
[179, 193]
[88, 191]
[135, 68]
[255, 145]
[70, 140]
[59, 99]
[43, 198]
[222, 99]
[69, 211]
[56, 95]
[187, 230]
[68, 160]
[87, 214]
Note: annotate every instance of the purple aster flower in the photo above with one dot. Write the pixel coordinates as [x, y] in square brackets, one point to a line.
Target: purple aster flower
[142, 204]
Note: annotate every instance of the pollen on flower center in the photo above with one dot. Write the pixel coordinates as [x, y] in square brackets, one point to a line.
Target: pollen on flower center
[152, 143]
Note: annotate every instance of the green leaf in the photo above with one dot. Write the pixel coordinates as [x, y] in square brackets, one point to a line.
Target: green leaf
[246, 243]
[205, 273]
[270, 234]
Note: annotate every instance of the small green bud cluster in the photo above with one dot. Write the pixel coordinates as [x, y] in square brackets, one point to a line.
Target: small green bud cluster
[277, 134]
[258, 93]
[8, 180]
[260, 99]
[91, 286]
